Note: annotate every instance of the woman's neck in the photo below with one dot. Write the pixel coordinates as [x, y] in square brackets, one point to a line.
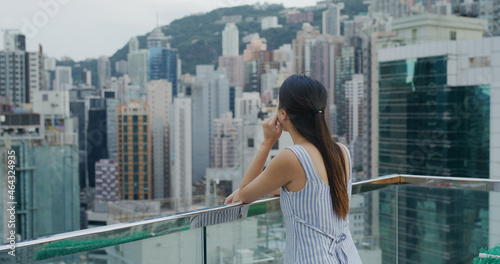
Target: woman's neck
[297, 138]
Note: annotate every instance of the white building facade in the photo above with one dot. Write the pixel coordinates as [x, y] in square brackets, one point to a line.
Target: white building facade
[159, 94]
[230, 40]
[182, 169]
[63, 80]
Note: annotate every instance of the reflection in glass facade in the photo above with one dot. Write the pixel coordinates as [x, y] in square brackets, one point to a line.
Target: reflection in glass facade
[433, 225]
[429, 128]
[51, 208]
[162, 64]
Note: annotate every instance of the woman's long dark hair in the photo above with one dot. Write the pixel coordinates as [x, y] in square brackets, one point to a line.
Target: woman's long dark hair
[304, 100]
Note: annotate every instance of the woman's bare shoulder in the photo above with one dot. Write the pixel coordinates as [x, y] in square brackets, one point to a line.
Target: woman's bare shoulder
[286, 160]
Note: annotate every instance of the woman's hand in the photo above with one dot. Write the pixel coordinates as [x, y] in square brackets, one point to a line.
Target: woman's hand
[272, 130]
[233, 198]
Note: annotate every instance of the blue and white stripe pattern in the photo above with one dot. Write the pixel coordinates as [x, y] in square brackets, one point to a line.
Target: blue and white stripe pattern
[314, 233]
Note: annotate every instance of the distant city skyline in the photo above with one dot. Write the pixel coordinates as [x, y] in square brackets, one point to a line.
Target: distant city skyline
[93, 28]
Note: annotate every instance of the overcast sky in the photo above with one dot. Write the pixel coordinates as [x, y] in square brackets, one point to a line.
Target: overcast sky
[84, 29]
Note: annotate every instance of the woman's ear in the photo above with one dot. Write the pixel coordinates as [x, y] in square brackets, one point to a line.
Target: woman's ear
[282, 115]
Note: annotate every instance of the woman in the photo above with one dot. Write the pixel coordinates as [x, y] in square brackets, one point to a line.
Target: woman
[314, 182]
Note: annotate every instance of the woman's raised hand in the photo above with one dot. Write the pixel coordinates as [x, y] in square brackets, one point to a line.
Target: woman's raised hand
[272, 130]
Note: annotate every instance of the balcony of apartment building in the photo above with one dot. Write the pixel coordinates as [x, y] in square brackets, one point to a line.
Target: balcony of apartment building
[393, 219]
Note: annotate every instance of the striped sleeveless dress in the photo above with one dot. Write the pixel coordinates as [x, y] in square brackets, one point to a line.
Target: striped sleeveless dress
[314, 233]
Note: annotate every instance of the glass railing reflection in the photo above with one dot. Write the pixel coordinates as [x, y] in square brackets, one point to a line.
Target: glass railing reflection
[393, 218]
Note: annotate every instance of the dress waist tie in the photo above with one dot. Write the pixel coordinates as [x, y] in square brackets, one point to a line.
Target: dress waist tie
[334, 248]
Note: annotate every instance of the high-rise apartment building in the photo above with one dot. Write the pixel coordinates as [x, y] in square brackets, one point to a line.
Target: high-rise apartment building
[97, 136]
[394, 8]
[182, 168]
[254, 48]
[13, 77]
[331, 19]
[298, 47]
[353, 28]
[349, 62]
[354, 108]
[159, 94]
[162, 60]
[111, 127]
[269, 22]
[133, 45]
[106, 186]
[134, 148]
[87, 77]
[299, 17]
[103, 71]
[320, 54]
[251, 80]
[137, 64]
[13, 40]
[230, 40]
[63, 78]
[233, 66]
[49, 74]
[121, 67]
[407, 30]
[21, 72]
[46, 169]
[35, 73]
[247, 105]
[210, 100]
[436, 113]
[225, 142]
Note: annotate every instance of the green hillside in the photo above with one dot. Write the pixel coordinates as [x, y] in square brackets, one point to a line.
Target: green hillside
[198, 37]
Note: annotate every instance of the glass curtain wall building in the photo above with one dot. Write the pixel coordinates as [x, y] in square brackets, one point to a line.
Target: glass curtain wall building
[162, 64]
[162, 60]
[434, 119]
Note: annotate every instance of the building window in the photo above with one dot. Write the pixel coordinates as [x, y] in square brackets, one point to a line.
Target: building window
[453, 35]
[135, 129]
[250, 142]
[135, 119]
[276, 145]
[45, 97]
[145, 128]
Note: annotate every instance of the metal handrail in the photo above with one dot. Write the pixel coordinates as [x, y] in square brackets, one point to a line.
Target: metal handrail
[357, 188]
